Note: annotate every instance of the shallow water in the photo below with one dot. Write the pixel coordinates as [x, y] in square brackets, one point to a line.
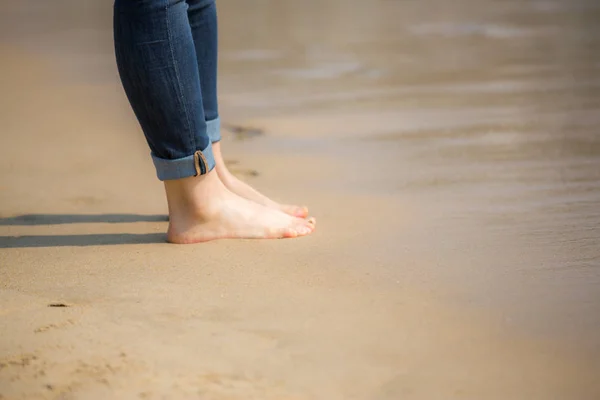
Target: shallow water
[485, 113]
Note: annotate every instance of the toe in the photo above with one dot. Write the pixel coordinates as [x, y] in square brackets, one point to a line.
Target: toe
[303, 230]
[290, 233]
[300, 212]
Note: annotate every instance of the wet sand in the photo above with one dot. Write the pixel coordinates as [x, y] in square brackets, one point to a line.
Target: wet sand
[452, 160]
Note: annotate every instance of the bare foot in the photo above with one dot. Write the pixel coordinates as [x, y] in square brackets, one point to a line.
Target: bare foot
[248, 192]
[203, 209]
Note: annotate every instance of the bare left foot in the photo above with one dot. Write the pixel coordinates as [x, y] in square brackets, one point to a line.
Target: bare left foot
[246, 191]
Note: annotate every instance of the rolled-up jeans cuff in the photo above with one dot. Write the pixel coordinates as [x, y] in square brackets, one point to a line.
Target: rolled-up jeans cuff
[199, 163]
[213, 129]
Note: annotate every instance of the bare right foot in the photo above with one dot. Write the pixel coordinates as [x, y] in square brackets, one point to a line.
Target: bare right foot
[248, 192]
[203, 209]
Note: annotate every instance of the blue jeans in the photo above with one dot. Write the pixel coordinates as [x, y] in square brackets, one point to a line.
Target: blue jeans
[166, 53]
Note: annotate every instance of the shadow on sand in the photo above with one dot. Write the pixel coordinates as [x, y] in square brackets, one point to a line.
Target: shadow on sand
[103, 239]
[58, 219]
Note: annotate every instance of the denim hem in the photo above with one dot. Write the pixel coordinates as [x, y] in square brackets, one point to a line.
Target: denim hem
[213, 129]
[199, 163]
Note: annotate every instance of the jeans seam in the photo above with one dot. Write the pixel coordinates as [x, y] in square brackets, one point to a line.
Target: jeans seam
[179, 85]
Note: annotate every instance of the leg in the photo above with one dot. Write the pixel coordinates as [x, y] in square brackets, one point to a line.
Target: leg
[158, 67]
[202, 15]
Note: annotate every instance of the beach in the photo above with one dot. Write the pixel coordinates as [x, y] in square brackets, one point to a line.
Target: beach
[451, 158]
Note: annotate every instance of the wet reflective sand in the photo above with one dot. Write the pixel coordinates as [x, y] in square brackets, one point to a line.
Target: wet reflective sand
[485, 112]
[464, 136]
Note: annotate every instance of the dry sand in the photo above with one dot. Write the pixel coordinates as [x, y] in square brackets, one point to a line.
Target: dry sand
[94, 304]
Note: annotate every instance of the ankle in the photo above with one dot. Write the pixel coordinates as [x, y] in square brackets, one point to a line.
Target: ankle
[224, 175]
[220, 166]
[194, 197]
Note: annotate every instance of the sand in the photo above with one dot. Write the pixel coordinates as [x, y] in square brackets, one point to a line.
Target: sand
[427, 278]
[95, 305]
